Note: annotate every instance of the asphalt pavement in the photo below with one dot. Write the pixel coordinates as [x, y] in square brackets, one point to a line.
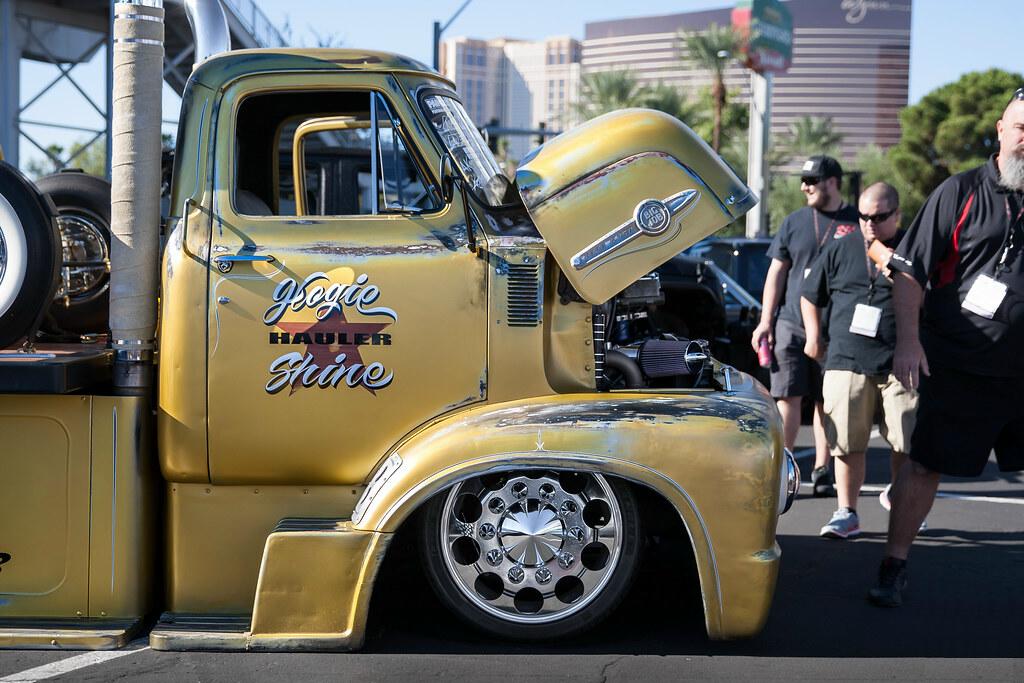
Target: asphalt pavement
[963, 618]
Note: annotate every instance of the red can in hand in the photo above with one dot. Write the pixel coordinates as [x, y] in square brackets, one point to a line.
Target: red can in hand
[764, 353]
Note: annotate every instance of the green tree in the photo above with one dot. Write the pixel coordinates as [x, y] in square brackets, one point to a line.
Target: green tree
[812, 135]
[605, 91]
[952, 128]
[733, 124]
[673, 102]
[712, 50]
[92, 159]
[806, 136]
[874, 164]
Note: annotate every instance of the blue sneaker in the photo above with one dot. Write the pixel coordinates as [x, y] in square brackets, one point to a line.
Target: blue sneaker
[844, 524]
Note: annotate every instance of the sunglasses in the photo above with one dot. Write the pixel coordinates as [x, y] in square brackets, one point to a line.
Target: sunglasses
[809, 180]
[878, 217]
[1018, 94]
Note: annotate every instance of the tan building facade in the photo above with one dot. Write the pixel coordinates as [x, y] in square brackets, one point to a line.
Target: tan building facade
[851, 63]
[520, 84]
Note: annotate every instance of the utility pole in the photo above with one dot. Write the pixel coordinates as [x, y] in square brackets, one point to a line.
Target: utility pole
[439, 29]
[757, 157]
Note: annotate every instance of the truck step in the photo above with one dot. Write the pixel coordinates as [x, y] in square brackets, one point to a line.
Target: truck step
[181, 632]
[68, 634]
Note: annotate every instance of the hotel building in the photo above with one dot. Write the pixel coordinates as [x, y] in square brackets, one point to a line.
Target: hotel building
[851, 63]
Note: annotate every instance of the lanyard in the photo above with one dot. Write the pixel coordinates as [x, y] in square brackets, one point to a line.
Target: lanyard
[820, 238]
[873, 272]
[1008, 240]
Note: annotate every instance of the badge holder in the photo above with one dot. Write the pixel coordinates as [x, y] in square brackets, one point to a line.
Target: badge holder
[984, 296]
[865, 320]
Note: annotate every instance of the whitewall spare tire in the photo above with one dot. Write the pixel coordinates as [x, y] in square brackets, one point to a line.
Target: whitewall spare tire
[29, 255]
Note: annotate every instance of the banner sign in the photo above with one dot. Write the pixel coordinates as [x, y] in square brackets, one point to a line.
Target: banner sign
[765, 30]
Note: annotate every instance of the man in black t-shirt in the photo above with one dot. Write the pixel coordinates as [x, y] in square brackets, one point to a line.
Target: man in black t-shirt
[793, 252]
[862, 336]
[966, 353]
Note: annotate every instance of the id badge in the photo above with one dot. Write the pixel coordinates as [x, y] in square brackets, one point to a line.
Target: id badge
[865, 320]
[807, 271]
[985, 296]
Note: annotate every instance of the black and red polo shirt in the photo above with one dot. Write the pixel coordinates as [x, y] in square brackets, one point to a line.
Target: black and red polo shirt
[961, 232]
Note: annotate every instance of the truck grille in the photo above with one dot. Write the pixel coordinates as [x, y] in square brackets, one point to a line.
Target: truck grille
[524, 302]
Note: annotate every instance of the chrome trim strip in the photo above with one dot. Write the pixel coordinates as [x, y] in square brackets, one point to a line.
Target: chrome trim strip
[375, 142]
[678, 206]
[140, 17]
[244, 258]
[139, 41]
[113, 506]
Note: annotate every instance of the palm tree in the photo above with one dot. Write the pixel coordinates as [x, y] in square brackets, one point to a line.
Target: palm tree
[673, 102]
[813, 135]
[712, 50]
[605, 91]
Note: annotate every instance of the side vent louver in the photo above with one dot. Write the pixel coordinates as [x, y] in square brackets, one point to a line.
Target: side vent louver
[524, 300]
[599, 345]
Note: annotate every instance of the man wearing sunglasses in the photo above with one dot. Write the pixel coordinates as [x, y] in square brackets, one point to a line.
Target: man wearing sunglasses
[961, 264]
[862, 336]
[794, 250]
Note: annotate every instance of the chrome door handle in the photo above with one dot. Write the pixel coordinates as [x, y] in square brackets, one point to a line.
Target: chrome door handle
[225, 262]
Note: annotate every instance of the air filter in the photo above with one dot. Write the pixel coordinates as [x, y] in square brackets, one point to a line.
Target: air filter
[672, 358]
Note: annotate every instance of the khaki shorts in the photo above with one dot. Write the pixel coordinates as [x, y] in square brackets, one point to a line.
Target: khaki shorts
[850, 402]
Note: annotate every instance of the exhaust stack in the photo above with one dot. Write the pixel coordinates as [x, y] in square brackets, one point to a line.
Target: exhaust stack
[135, 171]
[135, 192]
[209, 27]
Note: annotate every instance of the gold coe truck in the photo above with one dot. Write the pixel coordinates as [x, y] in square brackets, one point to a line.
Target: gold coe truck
[366, 330]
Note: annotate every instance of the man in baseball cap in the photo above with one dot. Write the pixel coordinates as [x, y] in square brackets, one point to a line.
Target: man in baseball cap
[794, 250]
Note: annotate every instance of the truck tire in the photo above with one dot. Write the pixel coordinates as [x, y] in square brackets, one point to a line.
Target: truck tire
[29, 255]
[532, 555]
[83, 207]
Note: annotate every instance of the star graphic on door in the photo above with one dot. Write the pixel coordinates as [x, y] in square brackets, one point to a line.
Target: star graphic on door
[332, 327]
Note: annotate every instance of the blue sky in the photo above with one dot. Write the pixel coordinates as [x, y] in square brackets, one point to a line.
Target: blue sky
[949, 38]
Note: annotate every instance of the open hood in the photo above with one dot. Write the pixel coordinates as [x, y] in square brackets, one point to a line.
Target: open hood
[623, 193]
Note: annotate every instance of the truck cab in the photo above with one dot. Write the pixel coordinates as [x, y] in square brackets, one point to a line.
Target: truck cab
[365, 327]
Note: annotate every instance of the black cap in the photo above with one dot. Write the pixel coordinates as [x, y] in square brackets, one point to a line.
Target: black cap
[821, 166]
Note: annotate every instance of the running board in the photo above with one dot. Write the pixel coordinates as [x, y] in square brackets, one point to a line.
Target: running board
[313, 595]
[68, 634]
[215, 632]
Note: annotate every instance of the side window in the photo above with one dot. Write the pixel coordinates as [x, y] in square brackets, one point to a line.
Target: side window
[326, 154]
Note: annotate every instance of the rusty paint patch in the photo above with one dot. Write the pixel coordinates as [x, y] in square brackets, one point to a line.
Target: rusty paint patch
[357, 251]
[532, 195]
[643, 410]
[463, 402]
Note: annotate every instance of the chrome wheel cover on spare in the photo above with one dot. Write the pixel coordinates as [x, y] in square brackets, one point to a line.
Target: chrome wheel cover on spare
[86, 271]
[531, 547]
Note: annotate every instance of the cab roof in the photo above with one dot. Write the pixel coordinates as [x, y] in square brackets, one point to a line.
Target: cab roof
[227, 66]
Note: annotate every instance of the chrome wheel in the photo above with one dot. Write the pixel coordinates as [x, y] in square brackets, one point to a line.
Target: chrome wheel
[531, 547]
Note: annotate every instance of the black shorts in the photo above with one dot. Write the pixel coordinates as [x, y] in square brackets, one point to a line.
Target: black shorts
[962, 417]
[793, 373]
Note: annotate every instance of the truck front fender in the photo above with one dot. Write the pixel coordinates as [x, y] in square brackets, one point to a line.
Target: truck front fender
[715, 456]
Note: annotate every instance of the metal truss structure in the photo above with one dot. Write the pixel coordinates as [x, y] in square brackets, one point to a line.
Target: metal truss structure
[70, 33]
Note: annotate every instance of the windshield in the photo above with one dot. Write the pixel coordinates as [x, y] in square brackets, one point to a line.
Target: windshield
[471, 155]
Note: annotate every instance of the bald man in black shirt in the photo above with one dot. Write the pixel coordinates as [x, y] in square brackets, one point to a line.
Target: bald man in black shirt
[965, 354]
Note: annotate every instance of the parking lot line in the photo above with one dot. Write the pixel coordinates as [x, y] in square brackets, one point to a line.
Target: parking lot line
[64, 666]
